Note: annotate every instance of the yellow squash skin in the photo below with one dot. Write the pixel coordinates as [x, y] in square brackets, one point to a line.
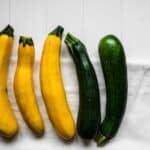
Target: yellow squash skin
[53, 90]
[8, 122]
[24, 87]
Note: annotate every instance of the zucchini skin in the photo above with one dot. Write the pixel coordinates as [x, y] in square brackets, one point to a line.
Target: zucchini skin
[89, 104]
[113, 62]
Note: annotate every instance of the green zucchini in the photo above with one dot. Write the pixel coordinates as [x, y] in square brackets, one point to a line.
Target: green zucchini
[114, 68]
[89, 104]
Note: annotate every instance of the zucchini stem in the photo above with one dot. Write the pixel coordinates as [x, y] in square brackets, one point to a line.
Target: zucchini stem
[58, 31]
[70, 39]
[101, 140]
[26, 40]
[8, 30]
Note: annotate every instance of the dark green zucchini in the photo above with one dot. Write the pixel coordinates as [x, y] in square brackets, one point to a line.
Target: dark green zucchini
[114, 68]
[89, 104]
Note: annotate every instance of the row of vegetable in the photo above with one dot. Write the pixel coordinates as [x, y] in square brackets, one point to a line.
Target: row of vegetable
[89, 125]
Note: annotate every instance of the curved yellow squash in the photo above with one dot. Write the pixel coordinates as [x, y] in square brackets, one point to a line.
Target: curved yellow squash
[52, 86]
[8, 122]
[24, 87]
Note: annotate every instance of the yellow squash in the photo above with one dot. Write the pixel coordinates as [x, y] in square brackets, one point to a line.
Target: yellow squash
[52, 86]
[24, 87]
[8, 122]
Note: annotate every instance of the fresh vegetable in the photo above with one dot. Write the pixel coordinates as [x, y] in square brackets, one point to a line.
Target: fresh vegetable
[89, 105]
[52, 86]
[114, 68]
[24, 86]
[8, 122]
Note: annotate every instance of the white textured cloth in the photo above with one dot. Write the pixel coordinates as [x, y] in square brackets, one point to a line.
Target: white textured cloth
[134, 131]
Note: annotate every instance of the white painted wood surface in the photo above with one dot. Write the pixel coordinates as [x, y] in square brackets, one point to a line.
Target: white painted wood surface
[89, 20]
